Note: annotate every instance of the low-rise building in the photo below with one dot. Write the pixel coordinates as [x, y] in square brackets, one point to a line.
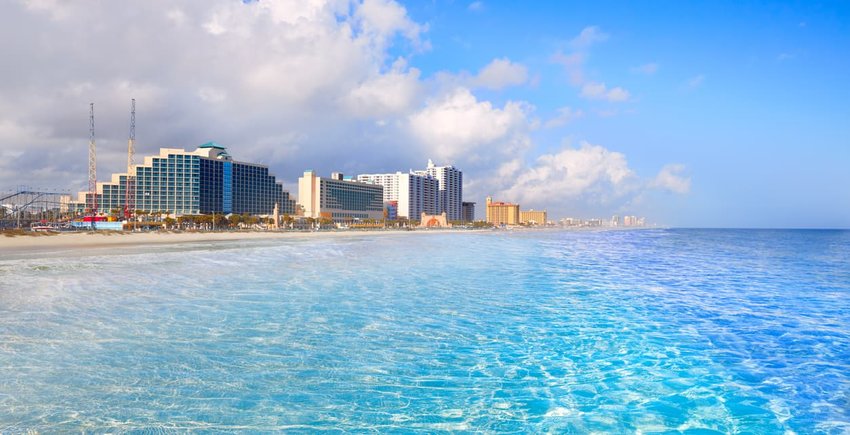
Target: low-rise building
[339, 198]
[434, 221]
[532, 217]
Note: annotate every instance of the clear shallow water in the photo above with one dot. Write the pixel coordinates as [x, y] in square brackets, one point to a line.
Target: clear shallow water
[654, 331]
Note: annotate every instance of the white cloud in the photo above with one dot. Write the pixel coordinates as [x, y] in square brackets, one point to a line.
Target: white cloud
[587, 177]
[598, 91]
[501, 73]
[670, 178]
[784, 56]
[212, 95]
[476, 6]
[215, 26]
[695, 81]
[459, 126]
[590, 172]
[574, 63]
[565, 115]
[241, 74]
[588, 36]
[645, 69]
[384, 18]
[58, 10]
[385, 94]
[289, 83]
[617, 94]
[177, 16]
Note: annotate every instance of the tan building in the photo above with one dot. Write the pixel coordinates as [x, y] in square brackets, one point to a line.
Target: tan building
[532, 217]
[502, 213]
[339, 198]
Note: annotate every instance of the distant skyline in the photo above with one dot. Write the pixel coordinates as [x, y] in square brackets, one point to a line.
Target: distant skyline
[711, 114]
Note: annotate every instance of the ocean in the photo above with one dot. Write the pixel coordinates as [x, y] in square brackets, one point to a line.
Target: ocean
[650, 331]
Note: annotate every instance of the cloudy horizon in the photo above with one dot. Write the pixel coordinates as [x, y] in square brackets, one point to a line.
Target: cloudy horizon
[546, 119]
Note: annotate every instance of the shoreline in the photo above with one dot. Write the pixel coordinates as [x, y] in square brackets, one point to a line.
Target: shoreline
[12, 247]
[28, 245]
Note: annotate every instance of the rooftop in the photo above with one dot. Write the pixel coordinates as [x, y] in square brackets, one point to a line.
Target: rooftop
[211, 145]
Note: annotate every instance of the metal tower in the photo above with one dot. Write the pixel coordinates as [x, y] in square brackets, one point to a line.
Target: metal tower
[130, 189]
[92, 166]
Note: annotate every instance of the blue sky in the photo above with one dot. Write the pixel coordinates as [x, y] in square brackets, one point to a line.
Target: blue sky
[700, 114]
[753, 97]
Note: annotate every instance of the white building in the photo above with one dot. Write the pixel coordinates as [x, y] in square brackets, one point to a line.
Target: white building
[414, 193]
[450, 196]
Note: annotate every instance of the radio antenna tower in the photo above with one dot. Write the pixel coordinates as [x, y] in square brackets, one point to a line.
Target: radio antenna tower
[130, 189]
[92, 166]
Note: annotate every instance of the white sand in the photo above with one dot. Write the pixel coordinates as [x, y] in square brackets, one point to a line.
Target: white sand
[31, 244]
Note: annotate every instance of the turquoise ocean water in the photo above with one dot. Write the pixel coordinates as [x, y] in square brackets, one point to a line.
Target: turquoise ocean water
[651, 331]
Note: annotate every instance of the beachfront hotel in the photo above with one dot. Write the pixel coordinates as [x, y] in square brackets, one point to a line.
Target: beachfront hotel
[450, 195]
[178, 182]
[532, 217]
[410, 193]
[502, 213]
[339, 198]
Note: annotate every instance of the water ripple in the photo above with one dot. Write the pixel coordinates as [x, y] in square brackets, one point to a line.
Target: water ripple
[703, 331]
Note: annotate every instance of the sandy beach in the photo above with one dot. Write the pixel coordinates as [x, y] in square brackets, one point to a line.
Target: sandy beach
[26, 245]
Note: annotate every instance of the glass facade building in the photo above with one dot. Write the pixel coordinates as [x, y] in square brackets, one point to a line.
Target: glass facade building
[340, 199]
[203, 181]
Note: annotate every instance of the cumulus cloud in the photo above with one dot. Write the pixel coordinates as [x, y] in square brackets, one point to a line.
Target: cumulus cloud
[598, 91]
[294, 84]
[585, 175]
[381, 19]
[670, 178]
[588, 36]
[501, 73]
[384, 94]
[589, 172]
[303, 71]
[564, 116]
[457, 125]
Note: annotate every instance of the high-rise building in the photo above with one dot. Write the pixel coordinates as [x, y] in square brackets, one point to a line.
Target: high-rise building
[532, 217]
[206, 180]
[502, 213]
[468, 211]
[339, 198]
[414, 194]
[450, 196]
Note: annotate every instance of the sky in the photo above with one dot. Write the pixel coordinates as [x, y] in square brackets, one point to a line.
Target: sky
[695, 114]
